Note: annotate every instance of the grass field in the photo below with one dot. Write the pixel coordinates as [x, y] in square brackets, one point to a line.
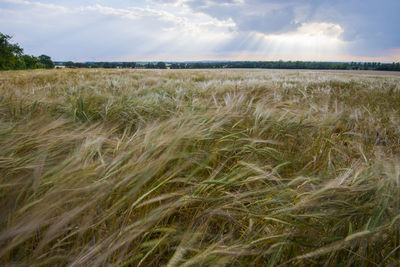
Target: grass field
[199, 168]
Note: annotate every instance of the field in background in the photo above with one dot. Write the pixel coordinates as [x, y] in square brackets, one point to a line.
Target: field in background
[199, 168]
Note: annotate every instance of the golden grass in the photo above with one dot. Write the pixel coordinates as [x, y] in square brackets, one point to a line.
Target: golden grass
[199, 168]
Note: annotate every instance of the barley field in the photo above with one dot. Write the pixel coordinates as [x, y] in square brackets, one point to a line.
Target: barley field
[199, 168]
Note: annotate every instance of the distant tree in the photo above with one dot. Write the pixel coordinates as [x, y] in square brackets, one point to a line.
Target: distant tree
[8, 53]
[80, 65]
[69, 64]
[31, 62]
[46, 61]
[161, 65]
[150, 66]
[109, 65]
[11, 57]
[20, 64]
[128, 65]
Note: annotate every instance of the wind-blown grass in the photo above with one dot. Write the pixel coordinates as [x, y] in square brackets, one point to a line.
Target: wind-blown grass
[189, 168]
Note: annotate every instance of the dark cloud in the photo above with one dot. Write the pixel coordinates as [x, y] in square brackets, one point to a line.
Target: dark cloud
[260, 16]
[370, 25]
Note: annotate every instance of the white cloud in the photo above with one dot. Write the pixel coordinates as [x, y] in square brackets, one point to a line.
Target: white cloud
[124, 13]
[317, 40]
[318, 29]
[310, 39]
[98, 32]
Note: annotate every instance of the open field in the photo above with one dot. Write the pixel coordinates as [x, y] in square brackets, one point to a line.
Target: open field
[199, 168]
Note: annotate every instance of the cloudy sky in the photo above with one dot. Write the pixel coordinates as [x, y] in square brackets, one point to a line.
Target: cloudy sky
[178, 30]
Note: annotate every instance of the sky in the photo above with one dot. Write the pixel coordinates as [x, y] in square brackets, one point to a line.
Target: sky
[191, 30]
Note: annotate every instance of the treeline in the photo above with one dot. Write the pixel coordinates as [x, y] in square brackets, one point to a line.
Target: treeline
[105, 65]
[241, 65]
[289, 65]
[113, 65]
[12, 57]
